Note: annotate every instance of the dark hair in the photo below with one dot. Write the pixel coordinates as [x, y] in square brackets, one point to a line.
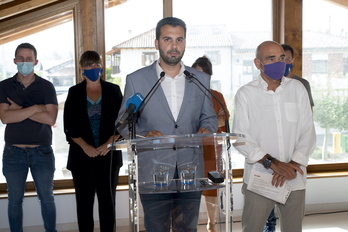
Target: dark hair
[172, 21]
[27, 46]
[89, 58]
[205, 64]
[287, 47]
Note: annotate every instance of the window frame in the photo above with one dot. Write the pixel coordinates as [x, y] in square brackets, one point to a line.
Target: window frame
[214, 56]
[248, 67]
[48, 15]
[146, 56]
[319, 66]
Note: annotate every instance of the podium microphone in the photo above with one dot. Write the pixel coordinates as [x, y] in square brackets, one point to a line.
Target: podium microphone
[192, 77]
[133, 104]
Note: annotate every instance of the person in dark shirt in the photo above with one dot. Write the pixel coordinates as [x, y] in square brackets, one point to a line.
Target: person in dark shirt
[90, 112]
[289, 59]
[28, 107]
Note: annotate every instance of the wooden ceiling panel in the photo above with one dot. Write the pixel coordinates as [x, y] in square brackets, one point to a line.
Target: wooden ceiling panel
[342, 3]
[19, 18]
[38, 26]
[2, 2]
[111, 3]
[11, 8]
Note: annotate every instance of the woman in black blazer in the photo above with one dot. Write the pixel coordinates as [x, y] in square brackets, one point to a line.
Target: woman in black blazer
[90, 112]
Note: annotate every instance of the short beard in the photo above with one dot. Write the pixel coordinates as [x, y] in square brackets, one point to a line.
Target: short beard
[172, 61]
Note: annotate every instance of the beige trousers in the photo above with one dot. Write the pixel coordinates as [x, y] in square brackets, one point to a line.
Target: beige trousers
[257, 208]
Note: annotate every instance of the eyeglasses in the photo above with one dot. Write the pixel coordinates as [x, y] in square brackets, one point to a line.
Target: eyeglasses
[92, 66]
[288, 60]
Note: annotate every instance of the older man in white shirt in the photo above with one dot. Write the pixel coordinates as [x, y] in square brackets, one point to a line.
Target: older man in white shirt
[279, 135]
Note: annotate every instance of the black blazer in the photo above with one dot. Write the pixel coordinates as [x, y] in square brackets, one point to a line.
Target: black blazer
[76, 124]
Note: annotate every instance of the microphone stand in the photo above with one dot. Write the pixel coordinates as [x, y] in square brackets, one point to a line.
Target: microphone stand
[151, 90]
[131, 126]
[192, 76]
[132, 119]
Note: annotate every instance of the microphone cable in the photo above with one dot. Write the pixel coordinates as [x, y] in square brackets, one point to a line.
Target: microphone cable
[113, 200]
[151, 90]
[191, 76]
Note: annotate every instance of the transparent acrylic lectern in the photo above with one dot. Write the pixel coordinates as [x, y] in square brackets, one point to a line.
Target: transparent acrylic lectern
[144, 154]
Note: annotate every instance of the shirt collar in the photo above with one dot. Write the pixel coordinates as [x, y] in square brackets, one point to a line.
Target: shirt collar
[159, 69]
[16, 80]
[263, 84]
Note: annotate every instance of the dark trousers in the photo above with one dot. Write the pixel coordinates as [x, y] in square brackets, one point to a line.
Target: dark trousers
[87, 184]
[271, 222]
[181, 210]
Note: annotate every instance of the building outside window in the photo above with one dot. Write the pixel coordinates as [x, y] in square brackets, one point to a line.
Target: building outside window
[148, 58]
[248, 67]
[56, 64]
[214, 57]
[325, 48]
[319, 66]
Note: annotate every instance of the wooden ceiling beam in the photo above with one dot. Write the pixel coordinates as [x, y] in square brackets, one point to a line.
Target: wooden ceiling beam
[342, 3]
[11, 8]
[112, 3]
[38, 26]
[2, 2]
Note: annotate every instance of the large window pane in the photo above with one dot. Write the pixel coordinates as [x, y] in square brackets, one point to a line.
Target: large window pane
[325, 55]
[217, 29]
[130, 41]
[227, 32]
[55, 48]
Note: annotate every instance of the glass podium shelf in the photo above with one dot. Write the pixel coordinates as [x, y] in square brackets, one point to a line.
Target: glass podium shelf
[175, 151]
[175, 185]
[175, 141]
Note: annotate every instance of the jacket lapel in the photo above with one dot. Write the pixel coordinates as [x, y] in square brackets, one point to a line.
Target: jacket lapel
[158, 92]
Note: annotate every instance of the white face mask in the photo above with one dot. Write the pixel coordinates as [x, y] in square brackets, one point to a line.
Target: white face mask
[25, 67]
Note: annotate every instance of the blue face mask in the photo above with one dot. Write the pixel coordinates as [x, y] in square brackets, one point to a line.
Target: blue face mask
[288, 68]
[275, 70]
[25, 67]
[93, 74]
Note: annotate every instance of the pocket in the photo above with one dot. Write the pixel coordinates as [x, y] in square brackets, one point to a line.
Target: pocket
[45, 150]
[7, 151]
[292, 112]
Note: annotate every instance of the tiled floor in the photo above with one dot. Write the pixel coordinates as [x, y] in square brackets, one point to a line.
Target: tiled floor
[331, 222]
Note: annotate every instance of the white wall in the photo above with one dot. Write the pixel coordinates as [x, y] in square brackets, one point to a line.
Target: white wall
[322, 194]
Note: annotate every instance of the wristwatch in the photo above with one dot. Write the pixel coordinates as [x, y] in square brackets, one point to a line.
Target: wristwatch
[267, 162]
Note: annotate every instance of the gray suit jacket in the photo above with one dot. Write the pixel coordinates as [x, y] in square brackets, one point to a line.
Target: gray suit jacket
[196, 112]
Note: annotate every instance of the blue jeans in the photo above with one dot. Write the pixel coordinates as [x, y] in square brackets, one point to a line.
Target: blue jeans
[271, 223]
[16, 164]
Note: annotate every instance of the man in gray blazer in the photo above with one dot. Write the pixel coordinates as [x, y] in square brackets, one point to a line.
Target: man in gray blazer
[178, 106]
